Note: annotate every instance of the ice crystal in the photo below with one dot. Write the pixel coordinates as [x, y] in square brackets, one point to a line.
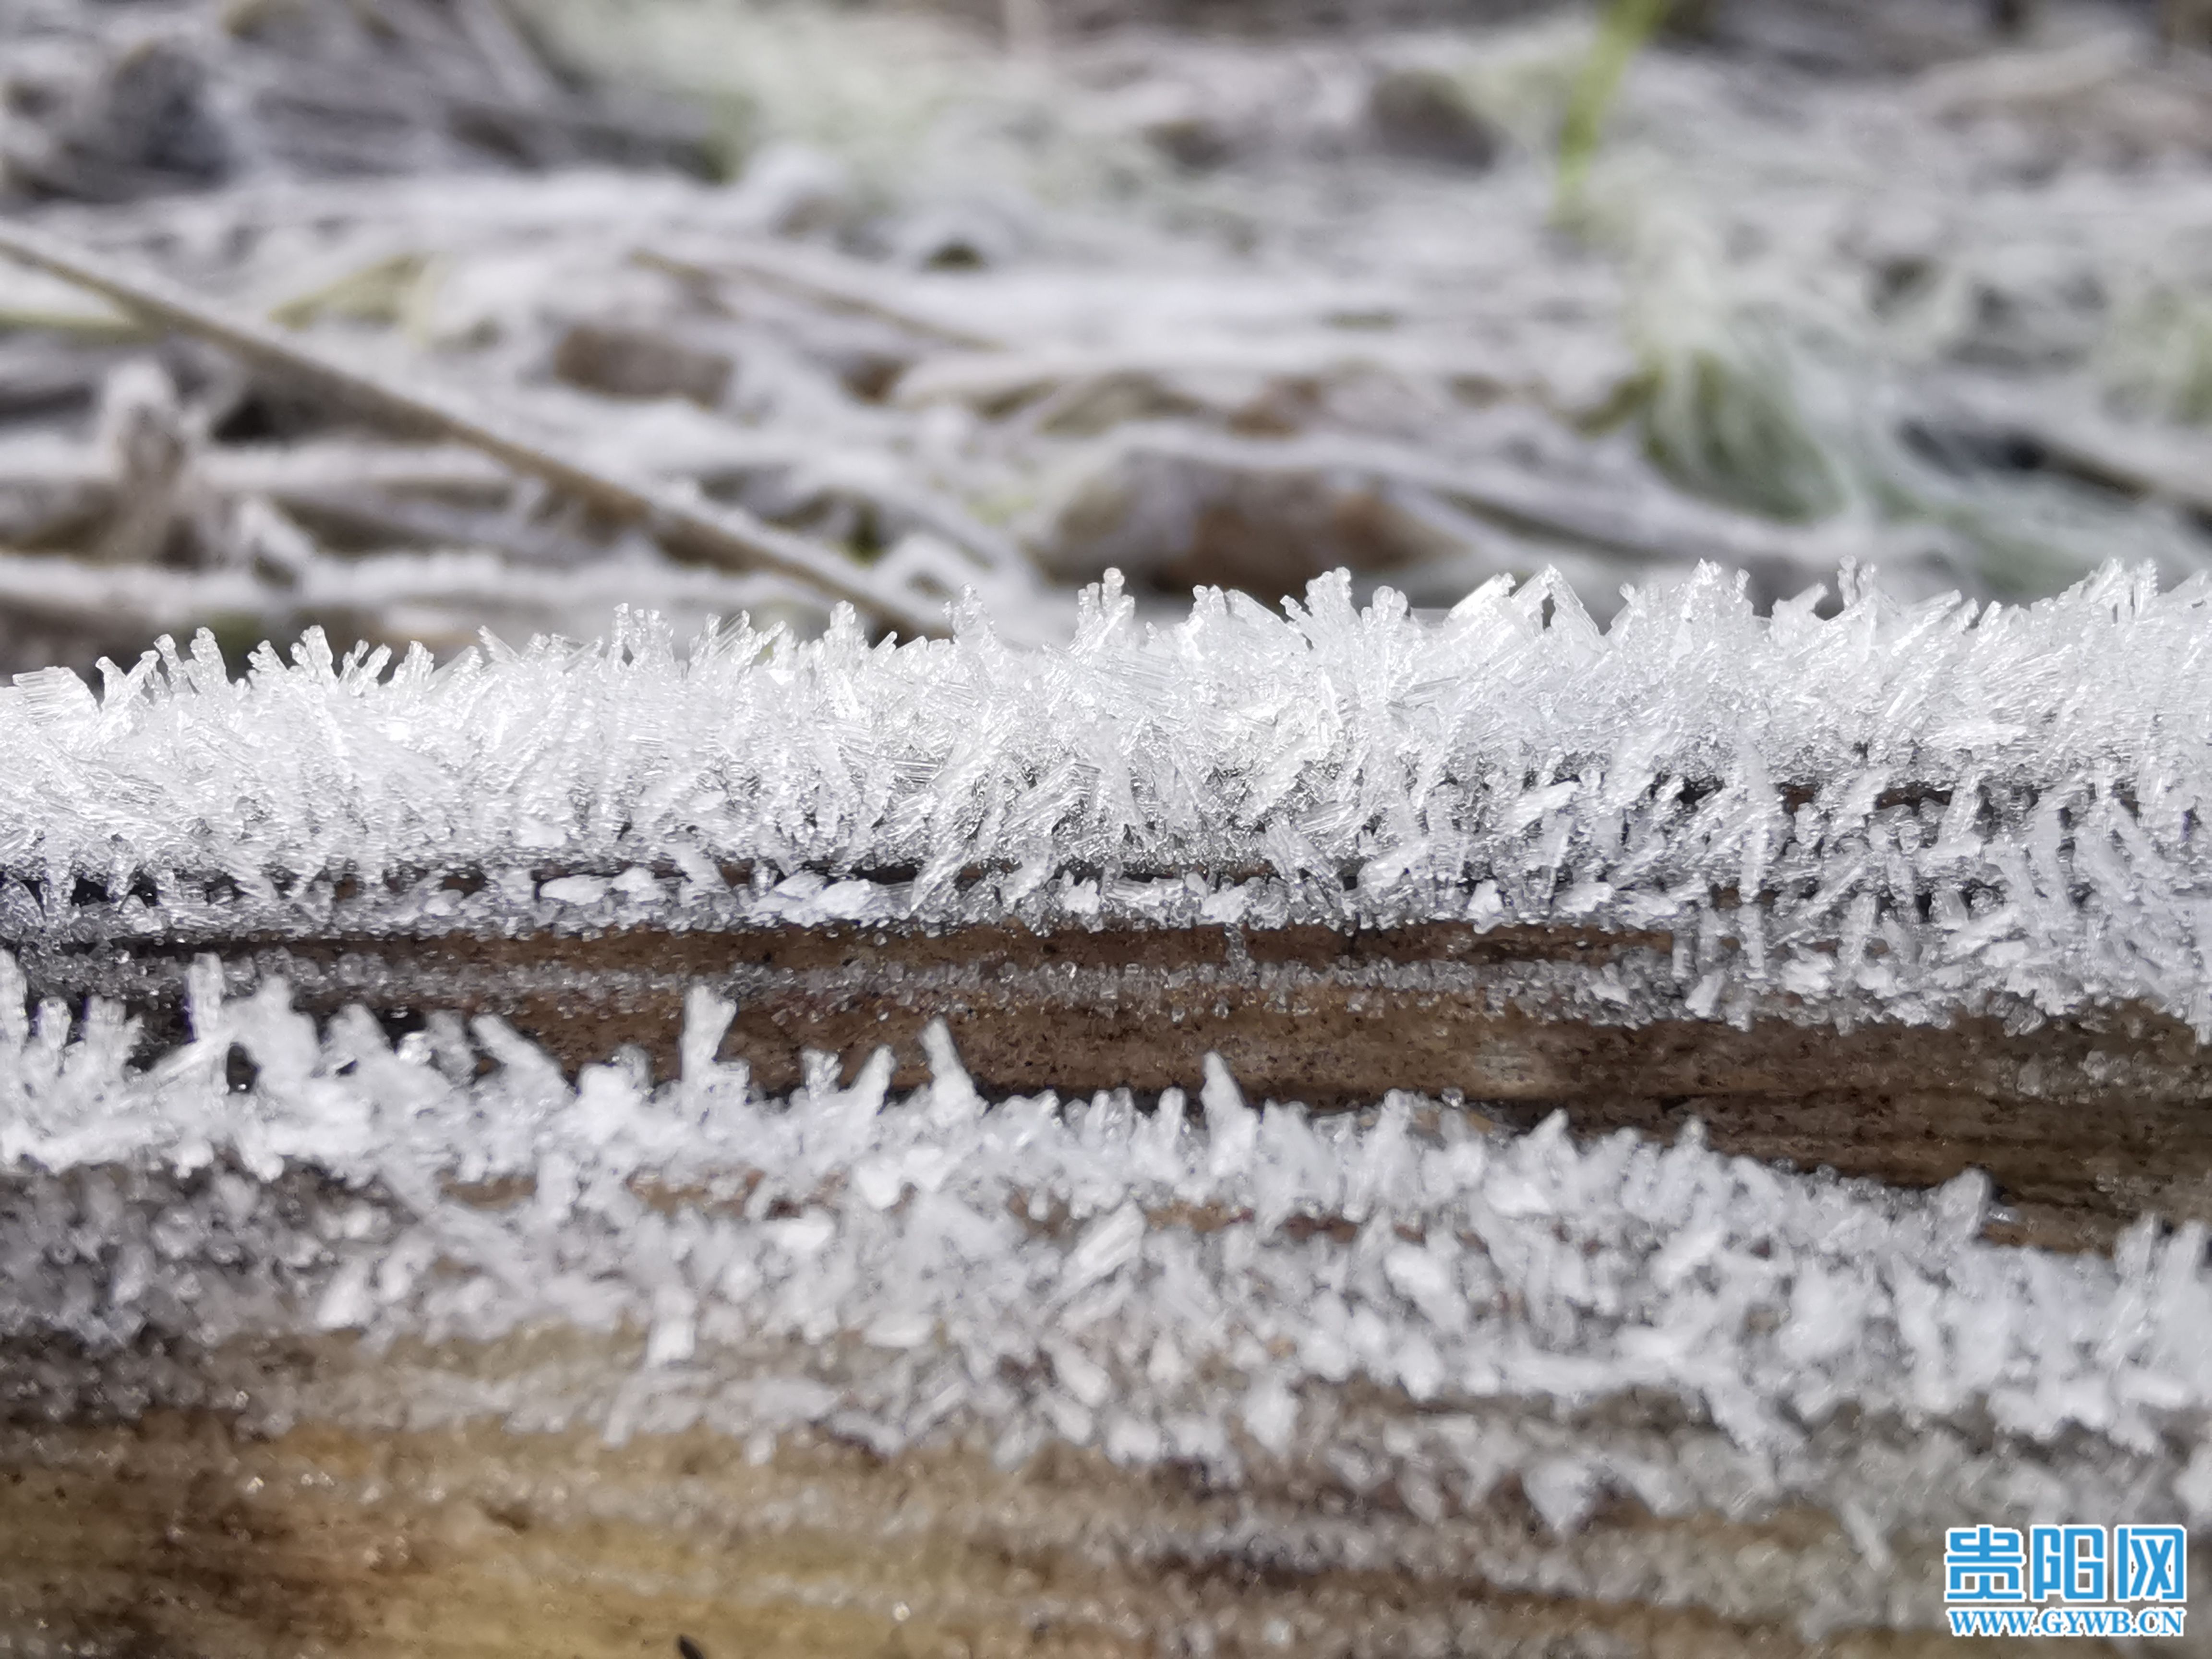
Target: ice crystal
[1913, 809]
[1161, 1286]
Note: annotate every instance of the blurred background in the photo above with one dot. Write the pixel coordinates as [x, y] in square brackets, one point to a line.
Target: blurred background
[1001, 294]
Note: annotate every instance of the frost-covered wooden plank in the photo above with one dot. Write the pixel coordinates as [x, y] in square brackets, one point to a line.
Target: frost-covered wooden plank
[1907, 812]
[2084, 1121]
[1378, 1375]
[1381, 1376]
[1903, 890]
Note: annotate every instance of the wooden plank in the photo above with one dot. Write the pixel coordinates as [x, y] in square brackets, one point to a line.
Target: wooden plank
[2084, 1122]
[179, 1532]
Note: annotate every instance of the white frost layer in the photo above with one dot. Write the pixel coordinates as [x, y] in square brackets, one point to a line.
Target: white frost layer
[1029, 1270]
[1920, 809]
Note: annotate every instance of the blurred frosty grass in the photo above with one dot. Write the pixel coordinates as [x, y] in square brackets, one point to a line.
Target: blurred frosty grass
[2158, 357]
[903, 99]
[1773, 382]
[1770, 380]
[1837, 310]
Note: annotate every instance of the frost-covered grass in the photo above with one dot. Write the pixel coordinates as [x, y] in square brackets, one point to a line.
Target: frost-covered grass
[918, 111]
[1798, 298]
[2157, 357]
[1946, 324]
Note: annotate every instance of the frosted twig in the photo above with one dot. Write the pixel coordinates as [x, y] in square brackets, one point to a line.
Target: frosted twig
[505, 52]
[2155, 461]
[2019, 79]
[365, 516]
[818, 280]
[442, 597]
[447, 471]
[989, 378]
[1651, 524]
[688, 528]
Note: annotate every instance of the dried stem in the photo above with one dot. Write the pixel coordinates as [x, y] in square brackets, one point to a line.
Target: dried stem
[690, 529]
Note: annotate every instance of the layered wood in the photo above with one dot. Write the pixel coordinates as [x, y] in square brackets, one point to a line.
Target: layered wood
[178, 1532]
[281, 1497]
[2083, 1122]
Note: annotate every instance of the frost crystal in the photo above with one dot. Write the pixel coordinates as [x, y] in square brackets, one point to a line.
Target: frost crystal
[1093, 1273]
[1907, 811]
[1896, 813]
